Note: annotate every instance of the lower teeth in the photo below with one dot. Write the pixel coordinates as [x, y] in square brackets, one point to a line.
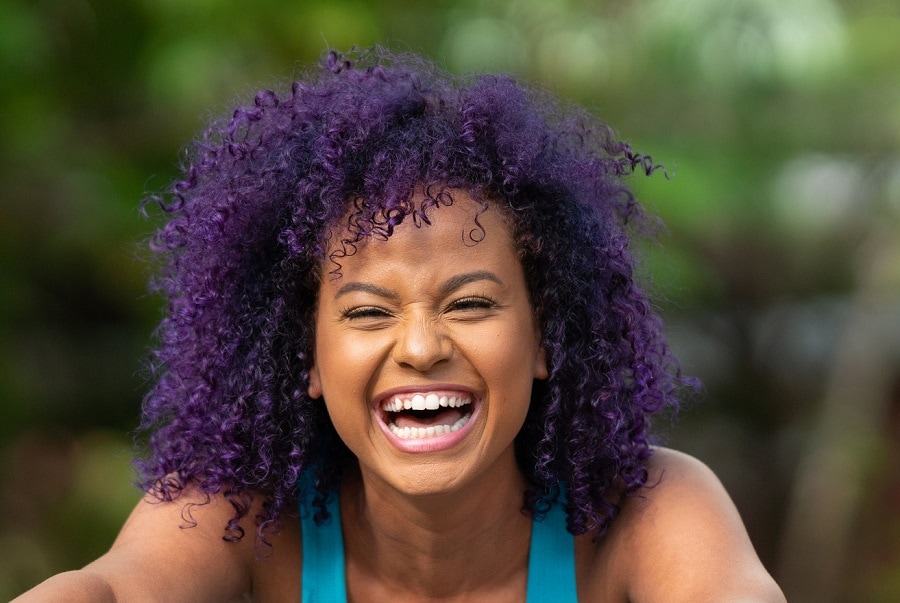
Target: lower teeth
[412, 433]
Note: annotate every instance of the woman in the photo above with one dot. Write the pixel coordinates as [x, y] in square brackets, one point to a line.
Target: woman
[405, 302]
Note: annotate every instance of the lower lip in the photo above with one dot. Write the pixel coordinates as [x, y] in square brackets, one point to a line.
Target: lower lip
[434, 443]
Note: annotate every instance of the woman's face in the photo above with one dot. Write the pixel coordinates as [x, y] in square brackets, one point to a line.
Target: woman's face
[426, 349]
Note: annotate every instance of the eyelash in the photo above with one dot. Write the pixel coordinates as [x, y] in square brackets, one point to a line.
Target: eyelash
[480, 302]
[475, 302]
[364, 312]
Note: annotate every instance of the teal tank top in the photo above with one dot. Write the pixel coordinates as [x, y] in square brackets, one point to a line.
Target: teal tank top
[551, 558]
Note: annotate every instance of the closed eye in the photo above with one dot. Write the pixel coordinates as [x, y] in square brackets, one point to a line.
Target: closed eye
[363, 312]
[472, 303]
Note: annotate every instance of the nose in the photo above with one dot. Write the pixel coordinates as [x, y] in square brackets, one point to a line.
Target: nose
[421, 344]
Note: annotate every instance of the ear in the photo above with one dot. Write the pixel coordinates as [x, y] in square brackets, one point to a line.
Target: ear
[540, 364]
[315, 383]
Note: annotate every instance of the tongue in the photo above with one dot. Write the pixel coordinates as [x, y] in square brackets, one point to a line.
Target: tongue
[411, 418]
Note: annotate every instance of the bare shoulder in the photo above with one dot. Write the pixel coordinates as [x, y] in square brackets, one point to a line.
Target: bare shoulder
[682, 539]
[175, 551]
[178, 544]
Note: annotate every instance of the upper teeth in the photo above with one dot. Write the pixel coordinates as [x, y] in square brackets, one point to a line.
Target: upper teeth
[424, 402]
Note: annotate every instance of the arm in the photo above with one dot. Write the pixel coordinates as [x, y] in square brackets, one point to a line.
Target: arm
[156, 558]
[79, 585]
[685, 540]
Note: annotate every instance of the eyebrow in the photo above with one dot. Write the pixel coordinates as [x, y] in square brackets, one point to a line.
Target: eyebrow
[366, 288]
[455, 282]
[448, 287]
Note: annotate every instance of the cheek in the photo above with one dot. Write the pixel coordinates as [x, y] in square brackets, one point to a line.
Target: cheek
[507, 359]
[342, 373]
[342, 414]
[346, 404]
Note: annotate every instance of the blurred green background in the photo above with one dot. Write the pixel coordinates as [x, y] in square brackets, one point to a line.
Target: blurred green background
[779, 273]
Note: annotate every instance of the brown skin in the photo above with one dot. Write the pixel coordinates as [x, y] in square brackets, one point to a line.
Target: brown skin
[680, 541]
[428, 311]
[434, 525]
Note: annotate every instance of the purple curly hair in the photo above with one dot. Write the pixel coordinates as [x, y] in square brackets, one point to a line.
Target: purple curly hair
[245, 244]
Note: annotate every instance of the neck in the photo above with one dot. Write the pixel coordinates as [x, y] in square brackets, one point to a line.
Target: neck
[446, 545]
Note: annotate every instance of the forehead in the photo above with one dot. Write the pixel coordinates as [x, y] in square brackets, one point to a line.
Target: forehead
[465, 231]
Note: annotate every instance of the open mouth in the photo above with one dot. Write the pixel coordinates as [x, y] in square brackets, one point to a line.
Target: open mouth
[421, 415]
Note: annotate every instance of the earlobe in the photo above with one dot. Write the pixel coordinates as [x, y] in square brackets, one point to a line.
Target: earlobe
[540, 364]
[315, 383]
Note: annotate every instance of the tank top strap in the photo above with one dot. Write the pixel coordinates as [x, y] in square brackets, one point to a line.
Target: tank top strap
[551, 558]
[323, 550]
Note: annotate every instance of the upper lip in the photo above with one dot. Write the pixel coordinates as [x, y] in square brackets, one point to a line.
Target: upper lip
[422, 388]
